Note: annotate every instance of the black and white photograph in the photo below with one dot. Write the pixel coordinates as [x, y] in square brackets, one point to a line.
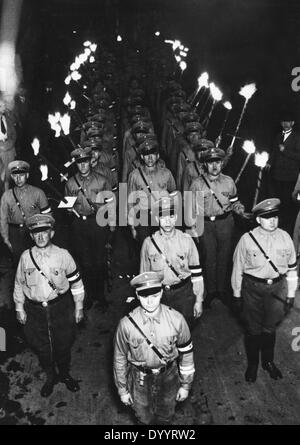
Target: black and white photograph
[150, 215]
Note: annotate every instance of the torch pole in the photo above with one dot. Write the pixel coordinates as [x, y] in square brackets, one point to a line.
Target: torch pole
[59, 195]
[238, 125]
[258, 186]
[243, 168]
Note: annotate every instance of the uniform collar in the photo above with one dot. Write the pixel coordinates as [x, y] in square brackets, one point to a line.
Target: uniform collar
[265, 233]
[147, 318]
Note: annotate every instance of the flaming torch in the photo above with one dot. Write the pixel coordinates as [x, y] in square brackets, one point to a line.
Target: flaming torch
[249, 148]
[247, 92]
[227, 105]
[260, 161]
[202, 82]
[182, 66]
[35, 144]
[61, 123]
[217, 96]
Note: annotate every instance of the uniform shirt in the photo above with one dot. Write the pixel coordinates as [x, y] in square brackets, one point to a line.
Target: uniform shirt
[159, 180]
[247, 257]
[32, 200]
[190, 173]
[225, 190]
[167, 330]
[103, 170]
[185, 156]
[91, 185]
[59, 267]
[181, 252]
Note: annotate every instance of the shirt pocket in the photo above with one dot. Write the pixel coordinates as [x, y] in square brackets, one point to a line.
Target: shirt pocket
[255, 258]
[157, 262]
[168, 345]
[58, 276]
[282, 257]
[137, 346]
[31, 277]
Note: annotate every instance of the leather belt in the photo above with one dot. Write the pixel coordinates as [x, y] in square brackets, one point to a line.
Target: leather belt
[177, 285]
[264, 280]
[154, 371]
[213, 218]
[47, 303]
[85, 217]
[19, 226]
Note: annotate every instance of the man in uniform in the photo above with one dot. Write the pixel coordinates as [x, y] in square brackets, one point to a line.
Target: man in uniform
[173, 254]
[147, 182]
[220, 199]
[47, 281]
[89, 238]
[264, 282]
[195, 168]
[17, 205]
[154, 382]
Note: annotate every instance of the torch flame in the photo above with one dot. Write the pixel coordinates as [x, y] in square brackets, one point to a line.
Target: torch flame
[92, 59]
[67, 99]
[186, 49]
[183, 53]
[203, 80]
[87, 51]
[169, 41]
[93, 47]
[87, 43]
[119, 38]
[178, 59]
[65, 121]
[35, 144]
[227, 105]
[157, 33]
[44, 171]
[215, 92]
[249, 147]
[176, 44]
[76, 75]
[261, 159]
[54, 121]
[183, 65]
[72, 105]
[68, 80]
[247, 91]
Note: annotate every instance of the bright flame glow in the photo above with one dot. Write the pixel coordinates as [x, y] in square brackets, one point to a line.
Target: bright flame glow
[35, 144]
[119, 38]
[73, 66]
[87, 43]
[72, 105]
[157, 33]
[203, 80]
[181, 47]
[44, 171]
[93, 47]
[87, 51]
[76, 75]
[54, 120]
[247, 91]
[178, 59]
[261, 159]
[176, 44]
[67, 99]
[92, 59]
[227, 105]
[65, 121]
[183, 53]
[215, 92]
[183, 65]
[68, 80]
[249, 147]
[186, 49]
[169, 41]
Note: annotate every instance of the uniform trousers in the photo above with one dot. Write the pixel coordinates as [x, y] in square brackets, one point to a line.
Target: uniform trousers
[182, 299]
[50, 331]
[154, 395]
[20, 241]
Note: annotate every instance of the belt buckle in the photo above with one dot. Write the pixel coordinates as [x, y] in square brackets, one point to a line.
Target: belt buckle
[44, 304]
[155, 371]
[269, 281]
[212, 218]
[84, 217]
[167, 287]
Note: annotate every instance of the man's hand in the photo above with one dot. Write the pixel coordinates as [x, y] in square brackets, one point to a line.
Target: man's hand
[197, 309]
[78, 315]
[133, 232]
[21, 317]
[182, 394]
[127, 399]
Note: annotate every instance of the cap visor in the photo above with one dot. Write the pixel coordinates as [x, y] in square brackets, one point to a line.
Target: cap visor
[149, 291]
[269, 215]
[79, 161]
[40, 229]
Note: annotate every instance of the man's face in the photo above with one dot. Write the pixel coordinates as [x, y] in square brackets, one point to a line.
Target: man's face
[151, 302]
[150, 159]
[287, 125]
[42, 239]
[84, 167]
[20, 179]
[167, 223]
[214, 168]
[268, 224]
[193, 137]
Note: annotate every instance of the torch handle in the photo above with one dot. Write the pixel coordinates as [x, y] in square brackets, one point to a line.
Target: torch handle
[258, 186]
[242, 168]
[239, 123]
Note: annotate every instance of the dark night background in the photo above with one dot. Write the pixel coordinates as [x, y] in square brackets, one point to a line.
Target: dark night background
[236, 41]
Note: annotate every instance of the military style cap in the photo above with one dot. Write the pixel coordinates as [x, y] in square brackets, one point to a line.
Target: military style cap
[267, 208]
[94, 143]
[203, 144]
[38, 223]
[147, 283]
[81, 154]
[145, 137]
[214, 154]
[193, 126]
[166, 206]
[148, 146]
[190, 117]
[141, 127]
[18, 167]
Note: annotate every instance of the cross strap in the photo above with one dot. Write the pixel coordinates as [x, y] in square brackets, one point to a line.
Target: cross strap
[152, 346]
[82, 191]
[165, 258]
[212, 192]
[264, 253]
[197, 169]
[41, 272]
[18, 204]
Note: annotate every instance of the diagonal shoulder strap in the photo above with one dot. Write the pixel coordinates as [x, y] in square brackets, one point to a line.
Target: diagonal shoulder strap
[264, 253]
[40, 270]
[152, 346]
[18, 204]
[145, 180]
[164, 257]
[82, 191]
[197, 168]
[212, 192]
